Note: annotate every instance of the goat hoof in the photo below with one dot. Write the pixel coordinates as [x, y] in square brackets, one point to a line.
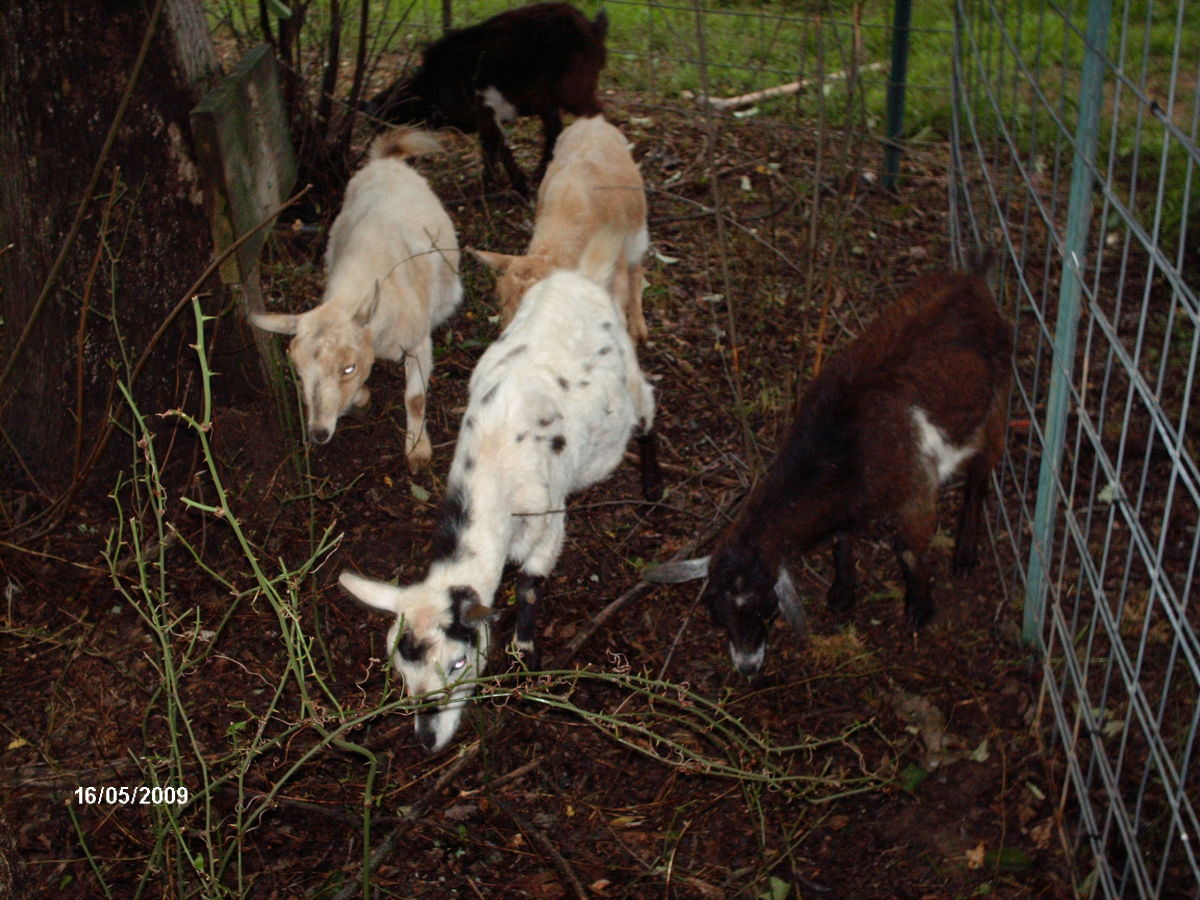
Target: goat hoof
[652, 488]
[840, 599]
[965, 561]
[420, 458]
[916, 616]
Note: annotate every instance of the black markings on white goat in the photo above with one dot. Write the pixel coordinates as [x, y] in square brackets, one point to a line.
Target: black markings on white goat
[537, 60]
[887, 421]
[452, 521]
[510, 504]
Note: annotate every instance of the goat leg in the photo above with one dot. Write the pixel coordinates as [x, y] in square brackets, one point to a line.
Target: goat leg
[966, 536]
[918, 602]
[979, 469]
[551, 128]
[635, 318]
[843, 593]
[652, 479]
[491, 137]
[529, 597]
[418, 366]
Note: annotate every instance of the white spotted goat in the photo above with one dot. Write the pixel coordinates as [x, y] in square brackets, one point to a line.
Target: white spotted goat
[553, 403]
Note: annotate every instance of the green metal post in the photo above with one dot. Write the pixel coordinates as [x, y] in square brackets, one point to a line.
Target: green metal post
[897, 82]
[1079, 211]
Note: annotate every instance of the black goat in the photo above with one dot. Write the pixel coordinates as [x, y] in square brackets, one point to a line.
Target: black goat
[537, 60]
[887, 421]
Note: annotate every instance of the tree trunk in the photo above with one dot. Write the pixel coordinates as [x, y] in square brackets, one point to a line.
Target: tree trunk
[99, 242]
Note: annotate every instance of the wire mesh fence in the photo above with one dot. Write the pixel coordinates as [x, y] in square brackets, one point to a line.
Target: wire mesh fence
[1075, 129]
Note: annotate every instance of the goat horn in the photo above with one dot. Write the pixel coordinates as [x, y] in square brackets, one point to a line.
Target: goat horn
[497, 262]
[677, 572]
[377, 594]
[789, 603]
[277, 323]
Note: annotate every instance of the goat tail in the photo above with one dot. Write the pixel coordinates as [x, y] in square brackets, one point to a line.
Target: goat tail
[404, 142]
[600, 257]
[600, 25]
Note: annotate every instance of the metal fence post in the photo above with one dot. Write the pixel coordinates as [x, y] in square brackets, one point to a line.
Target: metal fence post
[897, 81]
[1079, 210]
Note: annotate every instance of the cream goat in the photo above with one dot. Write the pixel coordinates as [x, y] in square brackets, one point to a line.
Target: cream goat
[592, 183]
[392, 265]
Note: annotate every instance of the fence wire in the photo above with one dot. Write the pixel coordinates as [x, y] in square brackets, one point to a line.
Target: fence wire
[1075, 131]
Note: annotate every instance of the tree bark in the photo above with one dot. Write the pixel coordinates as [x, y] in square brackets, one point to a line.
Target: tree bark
[99, 238]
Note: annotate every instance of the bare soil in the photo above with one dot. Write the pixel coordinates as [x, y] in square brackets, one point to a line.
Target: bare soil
[874, 762]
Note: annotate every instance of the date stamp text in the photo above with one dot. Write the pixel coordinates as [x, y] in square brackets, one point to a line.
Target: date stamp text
[135, 795]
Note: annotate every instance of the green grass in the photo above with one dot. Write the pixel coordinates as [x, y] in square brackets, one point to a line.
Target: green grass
[1022, 64]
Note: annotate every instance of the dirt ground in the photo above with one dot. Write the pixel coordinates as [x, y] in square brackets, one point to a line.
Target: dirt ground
[867, 763]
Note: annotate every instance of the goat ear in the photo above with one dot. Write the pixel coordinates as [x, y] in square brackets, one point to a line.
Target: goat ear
[497, 262]
[366, 312]
[478, 613]
[790, 604]
[376, 594]
[677, 572]
[277, 323]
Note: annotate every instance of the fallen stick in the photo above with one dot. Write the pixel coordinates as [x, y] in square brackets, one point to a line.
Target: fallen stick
[543, 843]
[793, 87]
[639, 590]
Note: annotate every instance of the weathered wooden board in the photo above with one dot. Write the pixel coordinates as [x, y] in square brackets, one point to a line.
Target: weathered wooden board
[246, 157]
[247, 169]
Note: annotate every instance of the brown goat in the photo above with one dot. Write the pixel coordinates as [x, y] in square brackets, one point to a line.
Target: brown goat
[537, 60]
[887, 421]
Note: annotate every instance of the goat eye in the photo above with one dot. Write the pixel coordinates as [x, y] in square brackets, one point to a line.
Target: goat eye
[349, 370]
[458, 664]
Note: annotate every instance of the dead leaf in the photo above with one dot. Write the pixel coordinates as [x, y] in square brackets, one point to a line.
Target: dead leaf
[704, 889]
[625, 821]
[927, 721]
[543, 884]
[837, 823]
[1042, 834]
[980, 754]
[459, 812]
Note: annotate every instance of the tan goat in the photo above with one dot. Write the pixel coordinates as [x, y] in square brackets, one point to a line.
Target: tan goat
[592, 182]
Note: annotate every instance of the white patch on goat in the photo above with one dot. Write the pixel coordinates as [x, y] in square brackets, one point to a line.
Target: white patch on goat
[942, 457]
[503, 111]
[748, 663]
